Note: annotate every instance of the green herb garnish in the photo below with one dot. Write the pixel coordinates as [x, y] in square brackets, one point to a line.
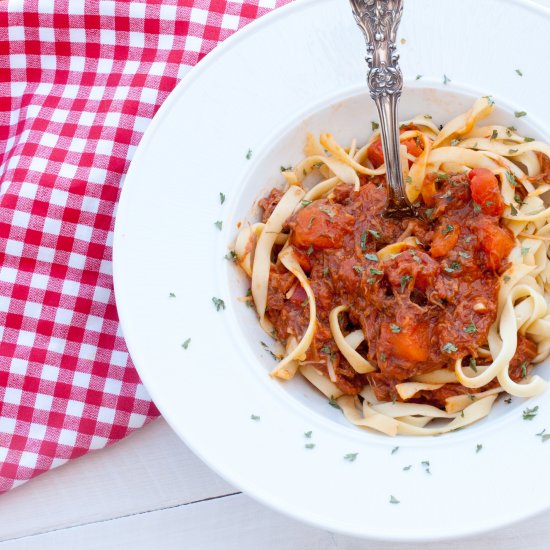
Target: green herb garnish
[328, 211]
[529, 414]
[511, 179]
[524, 369]
[266, 347]
[454, 266]
[363, 240]
[218, 303]
[404, 281]
[333, 403]
[449, 347]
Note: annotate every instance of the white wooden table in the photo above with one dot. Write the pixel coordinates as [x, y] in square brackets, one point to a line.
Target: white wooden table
[151, 492]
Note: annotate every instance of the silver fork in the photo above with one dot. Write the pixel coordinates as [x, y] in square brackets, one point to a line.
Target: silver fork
[379, 20]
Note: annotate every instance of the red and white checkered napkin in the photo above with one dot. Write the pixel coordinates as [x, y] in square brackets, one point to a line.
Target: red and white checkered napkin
[79, 82]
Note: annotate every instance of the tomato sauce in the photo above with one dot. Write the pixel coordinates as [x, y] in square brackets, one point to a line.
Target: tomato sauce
[419, 310]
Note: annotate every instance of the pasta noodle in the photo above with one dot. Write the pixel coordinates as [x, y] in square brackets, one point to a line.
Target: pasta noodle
[415, 328]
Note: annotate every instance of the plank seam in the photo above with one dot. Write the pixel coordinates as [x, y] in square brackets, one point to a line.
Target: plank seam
[84, 524]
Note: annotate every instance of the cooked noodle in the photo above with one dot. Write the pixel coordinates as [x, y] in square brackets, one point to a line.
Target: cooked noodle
[452, 389]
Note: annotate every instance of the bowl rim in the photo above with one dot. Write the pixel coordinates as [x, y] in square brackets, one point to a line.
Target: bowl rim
[262, 148]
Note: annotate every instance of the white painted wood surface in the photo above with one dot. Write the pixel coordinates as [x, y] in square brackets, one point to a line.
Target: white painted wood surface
[151, 492]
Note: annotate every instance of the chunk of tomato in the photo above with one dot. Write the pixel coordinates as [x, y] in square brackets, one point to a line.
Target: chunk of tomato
[486, 192]
[413, 147]
[375, 152]
[445, 239]
[497, 242]
[320, 225]
[409, 341]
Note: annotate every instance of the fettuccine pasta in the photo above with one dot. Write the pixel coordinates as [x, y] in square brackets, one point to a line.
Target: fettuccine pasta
[412, 326]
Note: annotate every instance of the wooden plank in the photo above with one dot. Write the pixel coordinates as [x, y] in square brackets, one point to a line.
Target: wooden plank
[150, 469]
[238, 523]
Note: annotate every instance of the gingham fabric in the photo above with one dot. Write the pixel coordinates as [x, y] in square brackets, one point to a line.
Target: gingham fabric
[79, 83]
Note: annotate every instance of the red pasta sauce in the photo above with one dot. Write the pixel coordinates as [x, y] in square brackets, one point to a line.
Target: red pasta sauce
[419, 310]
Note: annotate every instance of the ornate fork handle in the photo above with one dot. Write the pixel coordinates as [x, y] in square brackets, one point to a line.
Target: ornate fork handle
[379, 20]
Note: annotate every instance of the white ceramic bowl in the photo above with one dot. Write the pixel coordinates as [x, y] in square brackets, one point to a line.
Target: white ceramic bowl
[304, 64]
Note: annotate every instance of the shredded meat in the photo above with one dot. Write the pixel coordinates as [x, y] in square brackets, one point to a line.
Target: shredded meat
[269, 203]
[420, 309]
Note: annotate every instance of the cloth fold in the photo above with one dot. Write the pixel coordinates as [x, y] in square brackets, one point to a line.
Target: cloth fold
[79, 83]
